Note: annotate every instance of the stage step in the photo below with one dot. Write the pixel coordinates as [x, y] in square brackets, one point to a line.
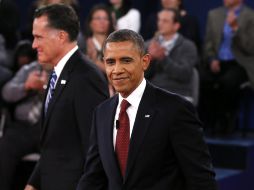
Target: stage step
[232, 153]
[233, 159]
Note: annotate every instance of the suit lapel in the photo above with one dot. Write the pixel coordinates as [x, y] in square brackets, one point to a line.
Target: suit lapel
[107, 135]
[62, 82]
[242, 17]
[220, 21]
[143, 119]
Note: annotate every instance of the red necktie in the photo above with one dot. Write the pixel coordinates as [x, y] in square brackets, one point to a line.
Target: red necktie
[123, 137]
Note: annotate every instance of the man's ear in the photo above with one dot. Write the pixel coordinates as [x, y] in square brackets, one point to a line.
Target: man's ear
[146, 61]
[63, 36]
[177, 26]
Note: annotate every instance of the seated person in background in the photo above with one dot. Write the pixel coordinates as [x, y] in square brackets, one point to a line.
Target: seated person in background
[125, 16]
[98, 26]
[21, 136]
[229, 52]
[173, 56]
[23, 54]
[189, 24]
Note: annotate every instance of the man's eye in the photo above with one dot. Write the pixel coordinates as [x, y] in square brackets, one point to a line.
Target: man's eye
[110, 62]
[127, 60]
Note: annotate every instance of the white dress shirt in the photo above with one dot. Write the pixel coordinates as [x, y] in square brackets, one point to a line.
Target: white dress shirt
[134, 99]
[132, 21]
[168, 44]
[60, 65]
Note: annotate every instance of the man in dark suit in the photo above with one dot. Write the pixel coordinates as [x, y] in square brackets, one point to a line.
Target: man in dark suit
[144, 137]
[75, 88]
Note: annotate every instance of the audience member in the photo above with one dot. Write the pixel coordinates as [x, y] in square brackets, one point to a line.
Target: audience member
[23, 54]
[144, 137]
[75, 88]
[189, 24]
[98, 26]
[173, 56]
[229, 51]
[21, 136]
[125, 16]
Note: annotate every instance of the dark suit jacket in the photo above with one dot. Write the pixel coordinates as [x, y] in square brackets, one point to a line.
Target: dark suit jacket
[167, 150]
[242, 42]
[66, 126]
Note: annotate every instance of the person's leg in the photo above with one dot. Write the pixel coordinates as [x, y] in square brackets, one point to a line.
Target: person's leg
[17, 141]
[230, 83]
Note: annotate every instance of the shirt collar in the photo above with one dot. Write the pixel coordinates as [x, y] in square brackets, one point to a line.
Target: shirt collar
[135, 97]
[60, 65]
[237, 10]
[168, 42]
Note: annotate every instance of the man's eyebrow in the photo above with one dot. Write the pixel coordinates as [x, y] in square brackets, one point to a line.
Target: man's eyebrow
[122, 58]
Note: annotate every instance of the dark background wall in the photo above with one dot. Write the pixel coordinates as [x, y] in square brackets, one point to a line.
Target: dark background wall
[198, 8]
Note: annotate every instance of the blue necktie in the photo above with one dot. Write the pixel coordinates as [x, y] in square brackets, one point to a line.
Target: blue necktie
[51, 89]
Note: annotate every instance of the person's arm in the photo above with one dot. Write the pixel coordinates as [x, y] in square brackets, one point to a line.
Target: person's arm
[180, 63]
[26, 81]
[90, 90]
[244, 35]
[192, 154]
[209, 44]
[94, 177]
[14, 90]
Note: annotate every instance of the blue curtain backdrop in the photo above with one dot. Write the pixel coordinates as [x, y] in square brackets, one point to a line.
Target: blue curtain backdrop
[198, 8]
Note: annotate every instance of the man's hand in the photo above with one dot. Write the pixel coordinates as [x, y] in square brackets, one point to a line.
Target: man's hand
[232, 20]
[29, 187]
[215, 66]
[36, 80]
[156, 51]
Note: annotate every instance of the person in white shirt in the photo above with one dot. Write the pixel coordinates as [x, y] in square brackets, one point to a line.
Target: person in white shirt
[125, 16]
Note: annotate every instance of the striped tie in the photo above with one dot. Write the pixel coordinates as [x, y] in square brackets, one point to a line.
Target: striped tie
[51, 89]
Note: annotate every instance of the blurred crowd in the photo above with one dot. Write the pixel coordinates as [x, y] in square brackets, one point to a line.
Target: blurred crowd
[210, 74]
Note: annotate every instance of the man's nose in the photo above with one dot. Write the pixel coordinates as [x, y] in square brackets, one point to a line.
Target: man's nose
[118, 67]
[34, 45]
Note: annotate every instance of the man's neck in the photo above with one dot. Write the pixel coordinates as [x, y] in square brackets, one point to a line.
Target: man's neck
[65, 49]
[234, 7]
[168, 37]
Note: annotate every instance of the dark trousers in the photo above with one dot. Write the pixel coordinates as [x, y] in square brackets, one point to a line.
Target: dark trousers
[220, 93]
[19, 139]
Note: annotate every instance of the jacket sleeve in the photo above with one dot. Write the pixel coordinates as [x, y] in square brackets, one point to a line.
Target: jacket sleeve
[90, 90]
[191, 151]
[34, 179]
[94, 177]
